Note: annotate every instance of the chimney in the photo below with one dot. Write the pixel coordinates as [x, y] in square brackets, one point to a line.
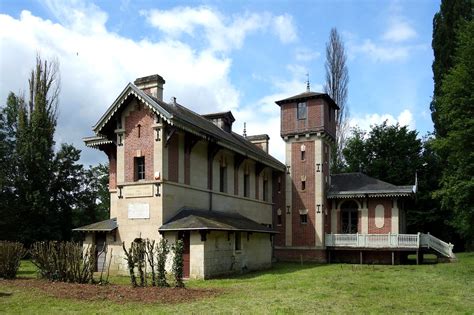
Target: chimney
[260, 141]
[222, 120]
[151, 85]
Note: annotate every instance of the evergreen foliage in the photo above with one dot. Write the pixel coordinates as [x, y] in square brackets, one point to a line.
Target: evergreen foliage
[163, 250]
[455, 112]
[446, 24]
[178, 263]
[43, 194]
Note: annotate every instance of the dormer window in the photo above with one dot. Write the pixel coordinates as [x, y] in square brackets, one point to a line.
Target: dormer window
[301, 111]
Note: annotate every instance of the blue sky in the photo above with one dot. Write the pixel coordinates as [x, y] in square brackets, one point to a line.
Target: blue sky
[222, 55]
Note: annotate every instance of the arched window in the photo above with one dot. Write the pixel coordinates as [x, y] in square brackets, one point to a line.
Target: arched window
[349, 217]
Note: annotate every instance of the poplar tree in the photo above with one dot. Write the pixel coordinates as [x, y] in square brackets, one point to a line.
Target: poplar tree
[337, 80]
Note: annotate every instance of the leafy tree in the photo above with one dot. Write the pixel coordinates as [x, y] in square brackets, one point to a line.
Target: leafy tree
[44, 195]
[445, 28]
[337, 79]
[389, 153]
[455, 112]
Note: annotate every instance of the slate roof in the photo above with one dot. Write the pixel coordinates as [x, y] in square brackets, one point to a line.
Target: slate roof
[349, 185]
[197, 219]
[190, 121]
[306, 96]
[102, 226]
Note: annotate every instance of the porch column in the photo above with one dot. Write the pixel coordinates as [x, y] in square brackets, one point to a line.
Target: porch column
[395, 214]
[334, 216]
[364, 217]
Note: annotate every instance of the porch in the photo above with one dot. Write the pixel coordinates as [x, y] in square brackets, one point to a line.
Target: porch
[389, 242]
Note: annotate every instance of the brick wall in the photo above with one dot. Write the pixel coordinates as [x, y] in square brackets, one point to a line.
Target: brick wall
[279, 202]
[387, 204]
[142, 116]
[303, 234]
[112, 168]
[317, 118]
[305, 255]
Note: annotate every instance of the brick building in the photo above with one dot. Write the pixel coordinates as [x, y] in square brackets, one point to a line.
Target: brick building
[180, 175]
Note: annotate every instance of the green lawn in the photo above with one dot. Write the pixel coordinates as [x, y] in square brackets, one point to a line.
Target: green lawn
[292, 288]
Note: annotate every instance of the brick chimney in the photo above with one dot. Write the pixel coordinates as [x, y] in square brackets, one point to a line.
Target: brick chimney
[151, 85]
[260, 141]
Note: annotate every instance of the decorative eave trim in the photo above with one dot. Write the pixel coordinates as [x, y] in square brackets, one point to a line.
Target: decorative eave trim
[370, 195]
[96, 141]
[131, 89]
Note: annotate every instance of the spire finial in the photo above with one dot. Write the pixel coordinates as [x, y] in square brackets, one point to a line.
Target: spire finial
[307, 82]
[245, 130]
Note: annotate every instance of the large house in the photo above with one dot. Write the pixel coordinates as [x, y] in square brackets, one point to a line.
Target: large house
[181, 175]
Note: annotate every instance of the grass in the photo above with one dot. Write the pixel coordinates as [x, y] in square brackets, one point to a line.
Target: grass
[292, 288]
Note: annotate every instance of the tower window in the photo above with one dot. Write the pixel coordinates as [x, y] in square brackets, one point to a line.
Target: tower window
[303, 184]
[279, 219]
[304, 218]
[139, 127]
[279, 184]
[303, 155]
[301, 114]
[139, 168]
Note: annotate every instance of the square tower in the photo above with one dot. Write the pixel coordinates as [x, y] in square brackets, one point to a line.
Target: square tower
[308, 128]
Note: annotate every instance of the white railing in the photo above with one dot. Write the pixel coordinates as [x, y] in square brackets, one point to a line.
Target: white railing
[389, 240]
[373, 240]
[429, 241]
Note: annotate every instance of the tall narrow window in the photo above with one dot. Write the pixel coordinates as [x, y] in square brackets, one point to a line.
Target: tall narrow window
[246, 185]
[304, 218]
[303, 184]
[139, 127]
[303, 155]
[238, 241]
[223, 179]
[265, 190]
[301, 114]
[140, 168]
[279, 184]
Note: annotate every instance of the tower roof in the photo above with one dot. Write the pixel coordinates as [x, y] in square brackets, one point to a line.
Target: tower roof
[307, 96]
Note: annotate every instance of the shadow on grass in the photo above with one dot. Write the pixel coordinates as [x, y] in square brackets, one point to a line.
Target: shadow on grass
[279, 268]
[5, 294]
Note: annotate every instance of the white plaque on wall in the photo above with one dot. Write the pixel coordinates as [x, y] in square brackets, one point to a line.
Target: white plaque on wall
[138, 211]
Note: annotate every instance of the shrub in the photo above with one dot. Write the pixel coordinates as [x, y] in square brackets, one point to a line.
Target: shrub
[64, 261]
[162, 250]
[11, 254]
[178, 264]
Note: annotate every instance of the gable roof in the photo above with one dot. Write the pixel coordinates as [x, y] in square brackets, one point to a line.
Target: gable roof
[350, 185]
[198, 219]
[307, 96]
[184, 118]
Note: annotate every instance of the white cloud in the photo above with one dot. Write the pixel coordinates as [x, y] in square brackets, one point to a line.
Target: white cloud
[399, 31]
[305, 54]
[364, 122]
[285, 28]
[222, 34]
[95, 66]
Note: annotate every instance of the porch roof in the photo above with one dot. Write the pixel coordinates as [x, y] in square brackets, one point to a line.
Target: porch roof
[351, 185]
[102, 226]
[189, 219]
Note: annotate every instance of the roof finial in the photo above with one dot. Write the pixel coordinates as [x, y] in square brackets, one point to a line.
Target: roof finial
[307, 82]
[245, 130]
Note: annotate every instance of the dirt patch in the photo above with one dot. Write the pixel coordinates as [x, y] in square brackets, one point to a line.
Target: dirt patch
[113, 292]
